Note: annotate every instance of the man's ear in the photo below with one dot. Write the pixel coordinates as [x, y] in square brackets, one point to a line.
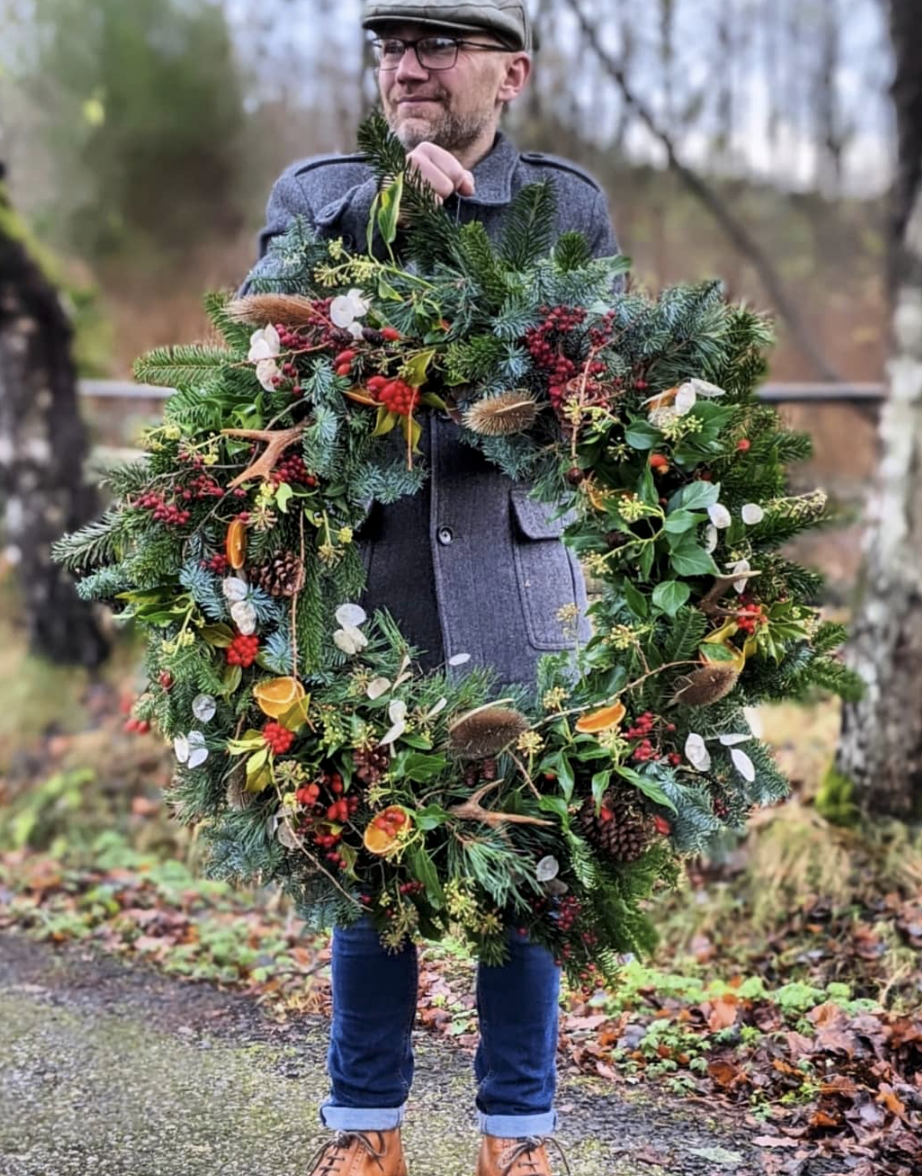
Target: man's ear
[517, 73]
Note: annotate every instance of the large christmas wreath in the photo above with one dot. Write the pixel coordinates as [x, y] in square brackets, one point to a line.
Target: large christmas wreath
[311, 749]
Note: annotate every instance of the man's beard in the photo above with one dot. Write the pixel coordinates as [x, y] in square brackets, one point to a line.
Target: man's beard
[454, 132]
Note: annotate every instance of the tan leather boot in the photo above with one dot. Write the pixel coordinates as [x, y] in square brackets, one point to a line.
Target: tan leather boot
[361, 1153]
[517, 1157]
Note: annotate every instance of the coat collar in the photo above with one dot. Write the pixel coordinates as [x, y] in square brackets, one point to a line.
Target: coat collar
[493, 174]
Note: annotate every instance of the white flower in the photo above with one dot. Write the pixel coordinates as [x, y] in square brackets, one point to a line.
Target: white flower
[204, 707]
[434, 710]
[345, 308]
[696, 753]
[377, 687]
[244, 615]
[351, 614]
[752, 513]
[458, 659]
[349, 639]
[710, 537]
[264, 344]
[234, 588]
[741, 565]
[198, 752]
[181, 748]
[685, 399]
[397, 713]
[743, 764]
[719, 515]
[190, 749]
[548, 868]
[267, 372]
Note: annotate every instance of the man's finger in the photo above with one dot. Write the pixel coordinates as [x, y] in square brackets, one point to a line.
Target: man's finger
[440, 183]
[430, 156]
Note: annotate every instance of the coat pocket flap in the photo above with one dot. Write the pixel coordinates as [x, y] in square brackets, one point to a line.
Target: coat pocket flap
[535, 517]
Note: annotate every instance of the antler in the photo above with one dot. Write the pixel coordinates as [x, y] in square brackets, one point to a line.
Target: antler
[708, 603]
[472, 810]
[277, 441]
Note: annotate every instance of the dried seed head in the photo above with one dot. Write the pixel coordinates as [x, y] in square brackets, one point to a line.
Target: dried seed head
[485, 731]
[499, 416]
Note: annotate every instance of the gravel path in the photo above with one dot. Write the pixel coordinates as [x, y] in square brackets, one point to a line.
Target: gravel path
[108, 1069]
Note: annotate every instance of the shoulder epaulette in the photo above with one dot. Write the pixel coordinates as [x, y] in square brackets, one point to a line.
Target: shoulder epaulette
[542, 158]
[306, 165]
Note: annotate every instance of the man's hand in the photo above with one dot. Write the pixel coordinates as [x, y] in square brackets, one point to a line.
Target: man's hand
[440, 170]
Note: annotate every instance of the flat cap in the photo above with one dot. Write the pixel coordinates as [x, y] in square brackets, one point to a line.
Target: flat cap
[506, 19]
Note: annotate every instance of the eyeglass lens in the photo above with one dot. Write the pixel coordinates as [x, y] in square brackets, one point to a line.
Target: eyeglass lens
[431, 52]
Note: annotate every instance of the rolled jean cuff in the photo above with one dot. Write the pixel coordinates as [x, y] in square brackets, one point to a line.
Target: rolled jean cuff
[517, 1126]
[361, 1118]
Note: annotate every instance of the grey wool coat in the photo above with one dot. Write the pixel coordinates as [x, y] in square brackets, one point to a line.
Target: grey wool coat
[469, 564]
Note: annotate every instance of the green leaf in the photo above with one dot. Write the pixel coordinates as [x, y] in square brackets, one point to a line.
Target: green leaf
[370, 227]
[283, 496]
[694, 496]
[692, 560]
[414, 370]
[640, 434]
[554, 804]
[682, 520]
[646, 786]
[220, 636]
[389, 210]
[386, 291]
[645, 563]
[431, 817]
[230, 680]
[385, 421]
[600, 783]
[670, 595]
[636, 601]
[257, 761]
[423, 867]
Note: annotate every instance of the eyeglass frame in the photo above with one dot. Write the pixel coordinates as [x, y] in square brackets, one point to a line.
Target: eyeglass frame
[414, 45]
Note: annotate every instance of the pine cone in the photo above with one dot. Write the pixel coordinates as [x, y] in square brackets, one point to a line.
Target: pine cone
[370, 765]
[622, 828]
[282, 576]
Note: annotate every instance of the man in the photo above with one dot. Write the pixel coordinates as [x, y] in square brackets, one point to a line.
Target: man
[468, 564]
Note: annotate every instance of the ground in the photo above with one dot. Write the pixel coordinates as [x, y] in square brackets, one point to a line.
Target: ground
[117, 1070]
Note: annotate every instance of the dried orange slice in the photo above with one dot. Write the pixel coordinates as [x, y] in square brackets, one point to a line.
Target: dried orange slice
[383, 830]
[276, 697]
[235, 544]
[601, 720]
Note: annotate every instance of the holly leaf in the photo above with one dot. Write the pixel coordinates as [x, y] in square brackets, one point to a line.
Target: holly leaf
[220, 636]
[414, 370]
[385, 421]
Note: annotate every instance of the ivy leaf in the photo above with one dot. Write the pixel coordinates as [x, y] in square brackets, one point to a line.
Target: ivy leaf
[640, 434]
[636, 601]
[670, 595]
[692, 560]
[682, 520]
[645, 563]
[694, 496]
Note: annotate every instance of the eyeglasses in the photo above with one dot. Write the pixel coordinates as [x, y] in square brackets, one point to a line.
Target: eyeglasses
[431, 52]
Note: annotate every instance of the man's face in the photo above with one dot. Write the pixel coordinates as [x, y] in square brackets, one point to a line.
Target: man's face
[449, 107]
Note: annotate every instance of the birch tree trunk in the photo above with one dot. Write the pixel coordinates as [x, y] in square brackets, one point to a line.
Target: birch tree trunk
[42, 446]
[881, 745]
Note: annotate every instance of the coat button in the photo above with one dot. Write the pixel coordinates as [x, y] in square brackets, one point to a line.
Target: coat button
[445, 534]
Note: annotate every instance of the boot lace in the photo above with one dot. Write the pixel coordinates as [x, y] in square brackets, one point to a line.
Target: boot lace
[519, 1155]
[330, 1156]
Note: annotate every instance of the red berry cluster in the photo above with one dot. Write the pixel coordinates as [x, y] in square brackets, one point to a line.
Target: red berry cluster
[411, 887]
[321, 812]
[601, 334]
[392, 820]
[292, 469]
[342, 363]
[396, 395]
[216, 563]
[278, 737]
[751, 616]
[390, 334]
[163, 511]
[545, 343]
[201, 486]
[644, 751]
[138, 726]
[242, 650]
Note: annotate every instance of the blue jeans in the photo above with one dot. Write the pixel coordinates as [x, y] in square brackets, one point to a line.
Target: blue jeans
[370, 1058]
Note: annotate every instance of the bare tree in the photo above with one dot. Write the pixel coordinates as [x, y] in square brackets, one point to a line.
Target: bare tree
[732, 226]
[42, 446]
[881, 744]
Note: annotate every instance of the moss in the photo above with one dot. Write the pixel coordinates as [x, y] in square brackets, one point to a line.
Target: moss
[834, 800]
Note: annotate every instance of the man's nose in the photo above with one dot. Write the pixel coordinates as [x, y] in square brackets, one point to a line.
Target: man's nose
[409, 68]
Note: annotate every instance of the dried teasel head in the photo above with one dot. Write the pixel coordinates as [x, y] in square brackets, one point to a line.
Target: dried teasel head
[291, 310]
[499, 416]
[485, 731]
[706, 685]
